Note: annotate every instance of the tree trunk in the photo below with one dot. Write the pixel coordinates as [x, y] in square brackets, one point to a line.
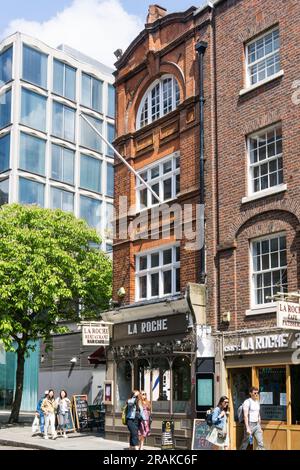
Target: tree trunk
[14, 415]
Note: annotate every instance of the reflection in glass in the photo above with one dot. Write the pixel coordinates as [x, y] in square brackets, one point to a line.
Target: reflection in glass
[31, 192]
[90, 173]
[64, 79]
[6, 66]
[4, 152]
[5, 109]
[4, 191]
[33, 110]
[61, 199]
[89, 138]
[90, 210]
[62, 164]
[34, 66]
[32, 154]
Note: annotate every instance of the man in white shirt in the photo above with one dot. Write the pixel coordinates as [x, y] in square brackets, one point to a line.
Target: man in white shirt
[251, 409]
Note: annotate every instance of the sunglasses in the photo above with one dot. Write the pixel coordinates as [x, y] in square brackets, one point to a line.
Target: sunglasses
[255, 393]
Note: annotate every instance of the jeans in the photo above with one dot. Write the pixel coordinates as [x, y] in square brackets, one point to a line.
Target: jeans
[257, 434]
[42, 422]
[50, 421]
[133, 426]
[63, 420]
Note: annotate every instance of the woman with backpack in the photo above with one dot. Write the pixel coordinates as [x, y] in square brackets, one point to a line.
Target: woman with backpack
[218, 435]
[135, 414]
[63, 409]
[144, 427]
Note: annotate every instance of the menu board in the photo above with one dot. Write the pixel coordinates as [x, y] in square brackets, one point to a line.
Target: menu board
[80, 409]
[200, 431]
[167, 437]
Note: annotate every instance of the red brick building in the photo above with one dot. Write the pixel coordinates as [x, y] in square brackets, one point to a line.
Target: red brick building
[161, 301]
[246, 109]
[252, 216]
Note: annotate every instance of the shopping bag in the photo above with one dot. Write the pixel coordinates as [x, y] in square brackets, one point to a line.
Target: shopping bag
[36, 425]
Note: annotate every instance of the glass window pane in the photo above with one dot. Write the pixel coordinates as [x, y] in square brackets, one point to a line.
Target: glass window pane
[64, 79]
[61, 199]
[110, 138]
[167, 276]
[6, 66]
[167, 256]
[4, 152]
[89, 138]
[63, 121]
[111, 101]
[154, 260]
[5, 109]
[155, 188]
[62, 164]
[272, 383]
[154, 172]
[4, 191]
[70, 83]
[86, 98]
[143, 287]
[109, 221]
[143, 197]
[90, 173]
[154, 284]
[167, 185]
[143, 262]
[110, 180]
[33, 112]
[96, 95]
[177, 253]
[31, 192]
[32, 154]
[35, 66]
[178, 280]
[90, 210]
[58, 77]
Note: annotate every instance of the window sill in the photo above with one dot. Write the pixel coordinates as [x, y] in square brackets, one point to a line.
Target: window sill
[264, 193]
[271, 308]
[244, 91]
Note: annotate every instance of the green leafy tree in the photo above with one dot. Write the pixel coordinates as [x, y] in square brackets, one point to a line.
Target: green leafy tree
[50, 271]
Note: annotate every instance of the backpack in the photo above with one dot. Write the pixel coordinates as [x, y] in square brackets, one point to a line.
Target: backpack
[240, 411]
[124, 415]
[208, 417]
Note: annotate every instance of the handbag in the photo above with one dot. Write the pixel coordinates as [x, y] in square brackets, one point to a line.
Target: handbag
[35, 425]
[222, 435]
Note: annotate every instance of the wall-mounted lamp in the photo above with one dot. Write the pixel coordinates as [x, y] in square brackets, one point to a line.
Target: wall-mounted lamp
[42, 358]
[73, 360]
[139, 347]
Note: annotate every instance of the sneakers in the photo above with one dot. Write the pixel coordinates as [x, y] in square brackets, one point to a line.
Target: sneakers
[54, 436]
[46, 437]
[65, 436]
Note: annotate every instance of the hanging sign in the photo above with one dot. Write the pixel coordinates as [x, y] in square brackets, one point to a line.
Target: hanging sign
[95, 334]
[288, 315]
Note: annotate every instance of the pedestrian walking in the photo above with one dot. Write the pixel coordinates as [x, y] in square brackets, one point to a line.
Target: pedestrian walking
[135, 414]
[218, 434]
[144, 425]
[252, 420]
[63, 407]
[40, 413]
[49, 406]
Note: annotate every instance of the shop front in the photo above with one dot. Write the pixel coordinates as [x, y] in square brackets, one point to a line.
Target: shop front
[270, 361]
[154, 352]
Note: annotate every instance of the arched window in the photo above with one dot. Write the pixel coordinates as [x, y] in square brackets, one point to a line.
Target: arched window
[162, 97]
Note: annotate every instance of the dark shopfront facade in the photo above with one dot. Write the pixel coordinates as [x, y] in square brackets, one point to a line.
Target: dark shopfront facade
[155, 352]
[269, 360]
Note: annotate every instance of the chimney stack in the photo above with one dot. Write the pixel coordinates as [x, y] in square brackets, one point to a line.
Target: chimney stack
[155, 12]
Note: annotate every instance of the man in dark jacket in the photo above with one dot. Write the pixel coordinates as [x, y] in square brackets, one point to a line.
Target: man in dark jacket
[39, 412]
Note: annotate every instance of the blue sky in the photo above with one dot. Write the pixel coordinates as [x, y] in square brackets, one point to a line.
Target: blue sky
[95, 27]
[43, 10]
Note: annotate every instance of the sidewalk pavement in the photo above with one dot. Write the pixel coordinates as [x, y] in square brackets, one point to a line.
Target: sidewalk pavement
[21, 437]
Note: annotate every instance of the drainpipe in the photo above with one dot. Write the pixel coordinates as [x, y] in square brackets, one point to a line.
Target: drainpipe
[201, 47]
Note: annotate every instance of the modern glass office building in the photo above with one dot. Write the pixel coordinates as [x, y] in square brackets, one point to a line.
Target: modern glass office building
[48, 154]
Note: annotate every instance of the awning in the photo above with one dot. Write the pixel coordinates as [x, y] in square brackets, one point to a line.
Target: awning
[98, 356]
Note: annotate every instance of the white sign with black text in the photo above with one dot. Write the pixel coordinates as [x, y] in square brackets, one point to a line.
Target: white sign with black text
[95, 334]
[288, 315]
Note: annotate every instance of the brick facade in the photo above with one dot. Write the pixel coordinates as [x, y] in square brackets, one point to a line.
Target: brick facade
[230, 223]
[166, 46]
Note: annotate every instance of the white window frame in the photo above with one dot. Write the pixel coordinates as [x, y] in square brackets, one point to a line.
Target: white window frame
[158, 180]
[251, 166]
[147, 97]
[267, 305]
[248, 66]
[160, 269]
